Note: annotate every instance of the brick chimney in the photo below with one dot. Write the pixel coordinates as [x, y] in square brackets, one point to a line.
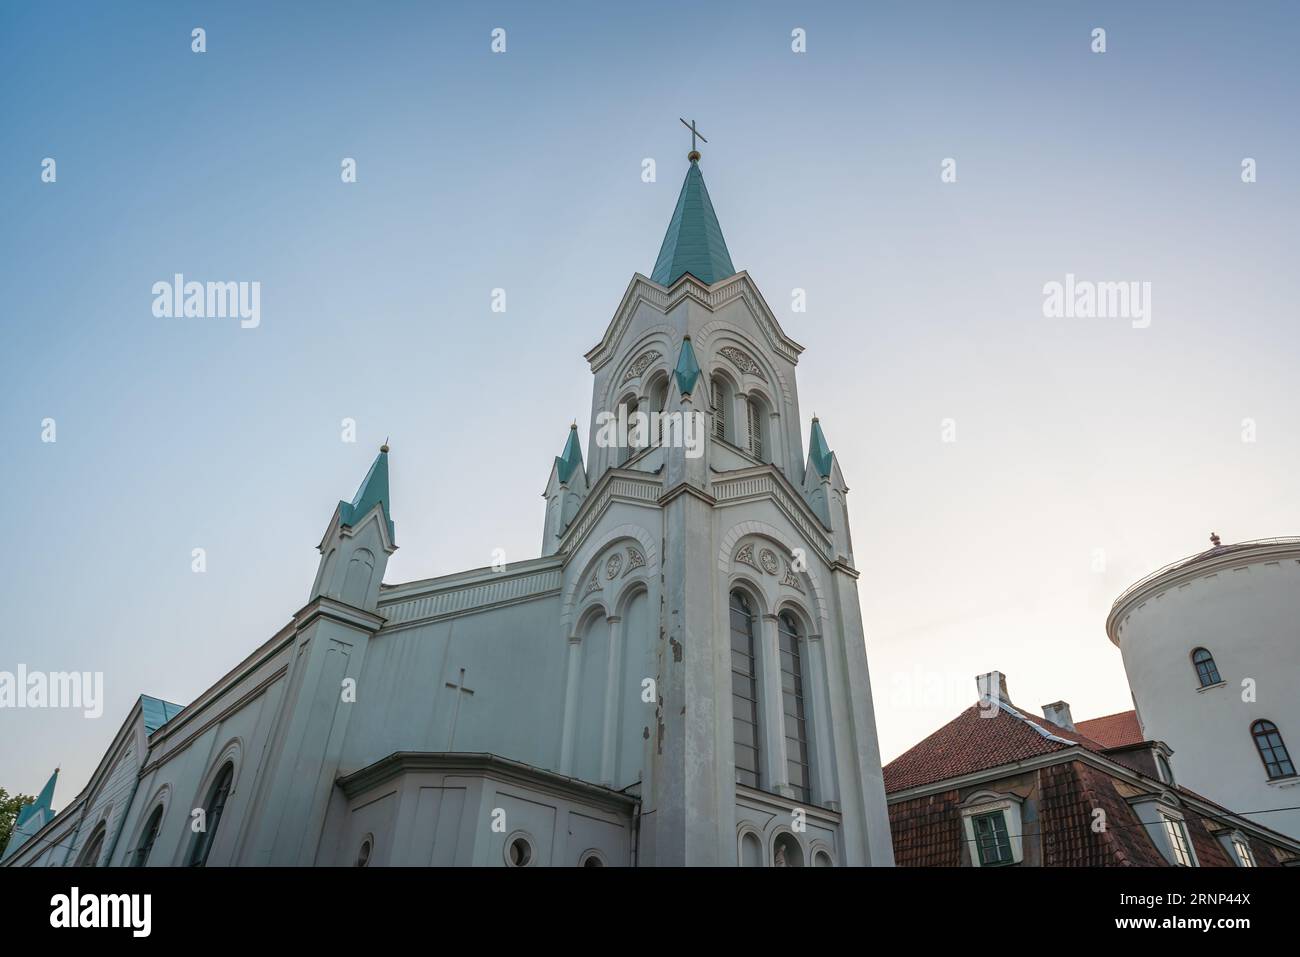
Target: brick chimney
[1058, 712]
[993, 686]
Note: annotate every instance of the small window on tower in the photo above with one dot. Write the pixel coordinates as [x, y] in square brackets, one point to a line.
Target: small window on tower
[755, 428]
[1206, 670]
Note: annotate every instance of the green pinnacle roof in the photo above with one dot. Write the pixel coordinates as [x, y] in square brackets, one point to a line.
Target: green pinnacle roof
[693, 243]
[819, 451]
[571, 458]
[373, 491]
[688, 370]
[42, 802]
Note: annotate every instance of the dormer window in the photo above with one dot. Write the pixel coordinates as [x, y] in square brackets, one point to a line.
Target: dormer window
[993, 830]
[1180, 845]
[1238, 849]
[1166, 772]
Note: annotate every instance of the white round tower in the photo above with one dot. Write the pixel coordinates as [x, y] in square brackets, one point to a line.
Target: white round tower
[1211, 646]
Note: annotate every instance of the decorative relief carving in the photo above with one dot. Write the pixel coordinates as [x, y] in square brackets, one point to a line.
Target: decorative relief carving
[792, 579]
[634, 559]
[746, 555]
[742, 361]
[641, 363]
[767, 558]
[613, 565]
[593, 585]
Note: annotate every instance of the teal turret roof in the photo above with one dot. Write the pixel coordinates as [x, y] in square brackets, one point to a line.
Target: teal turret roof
[373, 491]
[42, 803]
[32, 817]
[819, 451]
[571, 459]
[693, 243]
[688, 370]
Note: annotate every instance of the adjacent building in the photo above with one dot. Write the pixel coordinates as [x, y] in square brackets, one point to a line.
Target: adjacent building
[1211, 646]
[998, 786]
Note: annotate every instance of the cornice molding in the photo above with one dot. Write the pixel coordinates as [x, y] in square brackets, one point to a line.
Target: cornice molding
[665, 299]
[1198, 566]
[515, 772]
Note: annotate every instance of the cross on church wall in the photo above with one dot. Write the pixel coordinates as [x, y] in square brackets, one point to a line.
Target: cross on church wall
[459, 687]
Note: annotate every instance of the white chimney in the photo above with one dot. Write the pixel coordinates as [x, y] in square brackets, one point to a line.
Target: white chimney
[1058, 712]
[993, 686]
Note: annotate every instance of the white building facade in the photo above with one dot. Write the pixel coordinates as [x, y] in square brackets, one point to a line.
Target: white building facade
[680, 678]
[1211, 646]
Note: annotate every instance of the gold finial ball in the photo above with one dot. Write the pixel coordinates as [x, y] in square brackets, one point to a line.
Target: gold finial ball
[384, 447]
[693, 156]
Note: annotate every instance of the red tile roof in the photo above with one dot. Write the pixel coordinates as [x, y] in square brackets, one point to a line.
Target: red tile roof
[1113, 730]
[978, 739]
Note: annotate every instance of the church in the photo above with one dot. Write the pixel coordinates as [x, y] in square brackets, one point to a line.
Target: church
[679, 679]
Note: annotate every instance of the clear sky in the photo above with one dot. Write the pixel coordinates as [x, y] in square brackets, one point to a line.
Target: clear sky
[522, 171]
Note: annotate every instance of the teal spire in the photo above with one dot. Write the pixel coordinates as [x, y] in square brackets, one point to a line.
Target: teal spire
[693, 243]
[688, 370]
[373, 491]
[42, 804]
[31, 817]
[818, 450]
[571, 459]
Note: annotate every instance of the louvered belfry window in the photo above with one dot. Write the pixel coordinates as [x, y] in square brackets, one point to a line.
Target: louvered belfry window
[719, 412]
[755, 430]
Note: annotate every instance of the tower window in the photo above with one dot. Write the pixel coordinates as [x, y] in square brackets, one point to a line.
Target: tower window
[744, 691]
[1206, 671]
[755, 428]
[1277, 762]
[796, 726]
[719, 411]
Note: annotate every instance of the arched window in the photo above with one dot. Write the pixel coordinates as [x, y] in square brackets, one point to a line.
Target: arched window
[634, 436]
[1271, 750]
[744, 691]
[150, 834]
[363, 855]
[94, 847]
[720, 399]
[1206, 670]
[659, 403]
[796, 727]
[213, 809]
[754, 408]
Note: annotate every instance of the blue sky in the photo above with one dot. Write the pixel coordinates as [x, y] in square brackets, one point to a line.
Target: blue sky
[522, 171]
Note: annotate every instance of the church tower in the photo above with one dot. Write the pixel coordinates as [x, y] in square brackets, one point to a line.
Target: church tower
[716, 662]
